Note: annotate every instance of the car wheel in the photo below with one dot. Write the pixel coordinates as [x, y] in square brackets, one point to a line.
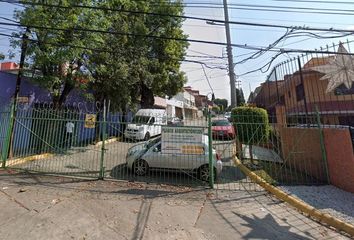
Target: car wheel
[203, 173]
[147, 136]
[140, 167]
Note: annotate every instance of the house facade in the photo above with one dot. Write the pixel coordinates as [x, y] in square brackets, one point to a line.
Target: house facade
[304, 94]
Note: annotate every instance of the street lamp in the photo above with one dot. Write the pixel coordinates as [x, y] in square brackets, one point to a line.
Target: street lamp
[207, 105]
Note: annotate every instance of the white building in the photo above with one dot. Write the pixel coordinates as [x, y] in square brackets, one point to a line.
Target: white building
[174, 108]
[189, 109]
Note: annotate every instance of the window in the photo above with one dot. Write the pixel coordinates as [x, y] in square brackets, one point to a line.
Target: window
[300, 93]
[289, 93]
[152, 120]
[158, 147]
[282, 99]
[221, 123]
[343, 90]
[141, 119]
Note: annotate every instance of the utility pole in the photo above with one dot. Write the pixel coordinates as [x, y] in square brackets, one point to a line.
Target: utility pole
[230, 57]
[17, 89]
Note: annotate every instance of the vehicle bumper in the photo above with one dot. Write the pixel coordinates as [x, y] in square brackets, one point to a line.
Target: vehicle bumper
[134, 135]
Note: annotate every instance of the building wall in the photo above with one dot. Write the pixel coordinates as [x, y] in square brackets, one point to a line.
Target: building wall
[340, 158]
[315, 94]
[302, 152]
[26, 124]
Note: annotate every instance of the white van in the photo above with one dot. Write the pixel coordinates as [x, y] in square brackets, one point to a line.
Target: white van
[146, 124]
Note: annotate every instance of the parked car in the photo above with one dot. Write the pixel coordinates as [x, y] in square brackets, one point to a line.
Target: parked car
[227, 115]
[146, 124]
[148, 156]
[174, 121]
[222, 129]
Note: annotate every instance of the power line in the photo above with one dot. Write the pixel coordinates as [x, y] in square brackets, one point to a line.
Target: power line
[153, 13]
[245, 46]
[208, 65]
[313, 1]
[275, 7]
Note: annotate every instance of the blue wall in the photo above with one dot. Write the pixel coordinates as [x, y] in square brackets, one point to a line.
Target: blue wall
[26, 124]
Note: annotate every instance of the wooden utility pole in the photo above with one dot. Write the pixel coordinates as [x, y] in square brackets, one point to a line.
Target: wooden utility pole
[230, 57]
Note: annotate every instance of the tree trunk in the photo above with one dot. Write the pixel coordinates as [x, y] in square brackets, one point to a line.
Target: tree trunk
[65, 93]
[59, 100]
[147, 97]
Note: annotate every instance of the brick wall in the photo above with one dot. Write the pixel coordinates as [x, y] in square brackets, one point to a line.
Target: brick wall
[340, 158]
[302, 152]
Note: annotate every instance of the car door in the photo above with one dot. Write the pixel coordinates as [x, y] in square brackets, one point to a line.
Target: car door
[192, 156]
[154, 157]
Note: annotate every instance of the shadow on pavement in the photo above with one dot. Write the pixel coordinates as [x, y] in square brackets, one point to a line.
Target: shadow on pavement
[121, 172]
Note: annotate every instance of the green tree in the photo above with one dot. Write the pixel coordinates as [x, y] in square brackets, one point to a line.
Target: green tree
[126, 68]
[55, 65]
[240, 97]
[222, 103]
[2, 56]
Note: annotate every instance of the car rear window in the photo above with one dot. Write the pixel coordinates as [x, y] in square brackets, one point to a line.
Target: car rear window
[221, 123]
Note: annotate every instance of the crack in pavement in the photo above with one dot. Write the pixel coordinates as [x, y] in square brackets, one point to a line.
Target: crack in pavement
[17, 202]
[201, 210]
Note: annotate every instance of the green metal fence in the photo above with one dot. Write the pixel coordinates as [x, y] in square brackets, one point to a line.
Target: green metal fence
[158, 149]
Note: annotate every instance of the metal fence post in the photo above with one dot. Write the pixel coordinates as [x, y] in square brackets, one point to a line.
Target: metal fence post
[103, 149]
[211, 165]
[5, 148]
[323, 147]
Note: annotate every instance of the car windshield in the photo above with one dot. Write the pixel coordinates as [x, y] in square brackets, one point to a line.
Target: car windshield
[141, 119]
[221, 123]
[152, 142]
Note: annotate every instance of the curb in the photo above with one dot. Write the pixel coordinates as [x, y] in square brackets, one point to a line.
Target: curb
[297, 203]
[17, 161]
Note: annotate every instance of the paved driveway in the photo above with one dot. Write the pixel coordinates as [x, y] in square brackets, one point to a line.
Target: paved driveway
[86, 162]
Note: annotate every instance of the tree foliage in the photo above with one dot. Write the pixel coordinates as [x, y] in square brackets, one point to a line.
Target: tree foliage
[252, 124]
[240, 97]
[222, 103]
[125, 66]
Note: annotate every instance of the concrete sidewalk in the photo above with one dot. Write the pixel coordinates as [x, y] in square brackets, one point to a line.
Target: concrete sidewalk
[43, 207]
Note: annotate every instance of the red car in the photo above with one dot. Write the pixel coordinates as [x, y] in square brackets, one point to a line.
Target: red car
[222, 129]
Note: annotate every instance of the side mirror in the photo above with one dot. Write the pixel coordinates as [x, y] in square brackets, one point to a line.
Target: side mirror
[156, 150]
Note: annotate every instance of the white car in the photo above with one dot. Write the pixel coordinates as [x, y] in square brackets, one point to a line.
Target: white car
[146, 124]
[147, 156]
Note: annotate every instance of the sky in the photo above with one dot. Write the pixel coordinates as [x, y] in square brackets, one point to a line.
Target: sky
[245, 35]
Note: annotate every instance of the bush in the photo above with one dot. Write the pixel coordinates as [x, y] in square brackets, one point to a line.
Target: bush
[252, 126]
[216, 109]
